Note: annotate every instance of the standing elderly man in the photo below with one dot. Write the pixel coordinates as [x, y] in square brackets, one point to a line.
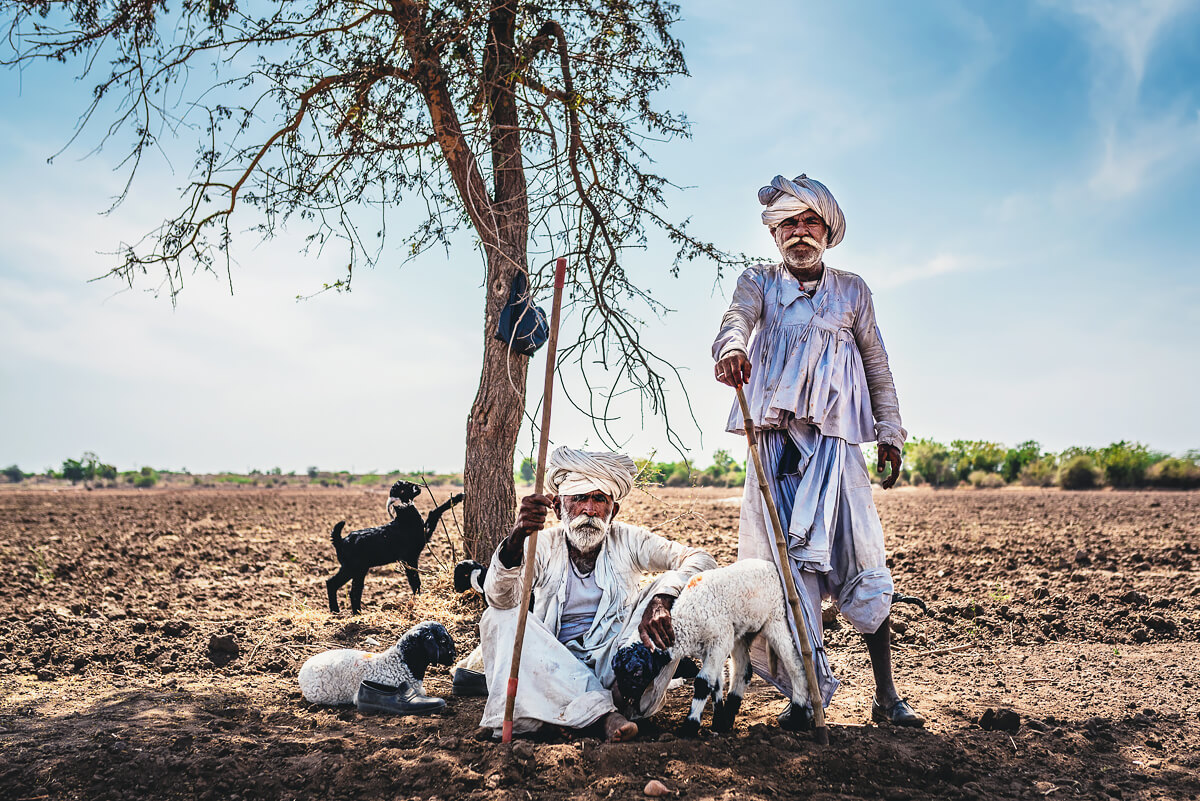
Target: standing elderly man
[803, 336]
[587, 600]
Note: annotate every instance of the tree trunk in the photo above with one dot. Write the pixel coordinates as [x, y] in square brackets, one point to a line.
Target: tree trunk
[495, 421]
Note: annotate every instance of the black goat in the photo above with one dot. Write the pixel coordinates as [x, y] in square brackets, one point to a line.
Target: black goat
[398, 541]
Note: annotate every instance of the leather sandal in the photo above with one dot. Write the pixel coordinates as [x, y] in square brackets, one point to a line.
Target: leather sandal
[402, 700]
[899, 713]
[469, 683]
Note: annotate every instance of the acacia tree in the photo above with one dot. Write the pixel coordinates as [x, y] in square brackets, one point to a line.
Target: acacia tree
[524, 122]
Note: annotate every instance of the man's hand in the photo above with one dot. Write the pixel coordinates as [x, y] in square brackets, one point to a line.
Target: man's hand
[531, 517]
[889, 454]
[655, 628]
[733, 370]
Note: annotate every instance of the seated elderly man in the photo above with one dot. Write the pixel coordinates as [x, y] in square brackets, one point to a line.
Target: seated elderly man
[588, 601]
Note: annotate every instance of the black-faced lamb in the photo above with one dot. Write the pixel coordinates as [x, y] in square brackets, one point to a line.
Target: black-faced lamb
[334, 677]
[717, 616]
[469, 575]
[401, 540]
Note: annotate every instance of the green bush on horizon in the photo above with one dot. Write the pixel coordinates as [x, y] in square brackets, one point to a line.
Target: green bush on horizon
[1079, 472]
[1173, 473]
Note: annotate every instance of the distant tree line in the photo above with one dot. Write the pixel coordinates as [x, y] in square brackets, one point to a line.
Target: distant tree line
[990, 464]
[973, 463]
[725, 471]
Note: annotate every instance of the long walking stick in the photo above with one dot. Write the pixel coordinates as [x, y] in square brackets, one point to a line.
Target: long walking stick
[560, 272]
[820, 732]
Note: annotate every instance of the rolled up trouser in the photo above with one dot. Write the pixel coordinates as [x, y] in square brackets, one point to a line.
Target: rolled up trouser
[835, 541]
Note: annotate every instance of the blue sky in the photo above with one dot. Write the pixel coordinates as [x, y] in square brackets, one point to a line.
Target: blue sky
[1020, 182]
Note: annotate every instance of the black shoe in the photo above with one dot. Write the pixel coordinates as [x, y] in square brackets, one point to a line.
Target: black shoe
[796, 718]
[898, 714]
[402, 700]
[469, 683]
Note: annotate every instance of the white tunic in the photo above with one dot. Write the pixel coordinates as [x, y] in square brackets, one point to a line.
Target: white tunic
[819, 359]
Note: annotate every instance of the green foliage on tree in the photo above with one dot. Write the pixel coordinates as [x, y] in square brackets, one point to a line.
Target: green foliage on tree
[1016, 459]
[87, 468]
[1125, 463]
[970, 456]
[528, 470]
[932, 461]
[13, 474]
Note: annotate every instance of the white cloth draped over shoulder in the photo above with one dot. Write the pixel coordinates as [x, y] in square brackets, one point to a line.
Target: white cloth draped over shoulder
[570, 684]
[819, 359]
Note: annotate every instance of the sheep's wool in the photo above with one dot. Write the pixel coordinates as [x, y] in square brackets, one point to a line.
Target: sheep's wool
[572, 472]
[784, 199]
[332, 677]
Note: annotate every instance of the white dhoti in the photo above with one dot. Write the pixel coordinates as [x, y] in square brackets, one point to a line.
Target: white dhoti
[835, 541]
[561, 684]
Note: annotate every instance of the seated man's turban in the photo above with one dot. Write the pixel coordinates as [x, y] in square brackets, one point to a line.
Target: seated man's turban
[784, 199]
[572, 472]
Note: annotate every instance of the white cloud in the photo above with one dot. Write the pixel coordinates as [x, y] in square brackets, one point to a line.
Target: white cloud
[889, 277]
[1127, 29]
[1136, 141]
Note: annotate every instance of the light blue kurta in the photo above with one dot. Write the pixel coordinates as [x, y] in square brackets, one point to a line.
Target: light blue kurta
[820, 381]
[820, 360]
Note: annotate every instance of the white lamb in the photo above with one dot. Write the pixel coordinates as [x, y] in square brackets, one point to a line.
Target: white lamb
[718, 615]
[333, 677]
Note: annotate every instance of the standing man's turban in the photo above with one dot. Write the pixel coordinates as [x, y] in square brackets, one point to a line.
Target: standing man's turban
[784, 199]
[572, 472]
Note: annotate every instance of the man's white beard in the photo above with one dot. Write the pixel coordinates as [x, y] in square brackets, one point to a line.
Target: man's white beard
[805, 259]
[587, 532]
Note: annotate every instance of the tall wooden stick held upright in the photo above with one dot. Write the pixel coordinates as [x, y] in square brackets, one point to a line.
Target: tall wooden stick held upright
[560, 273]
[820, 732]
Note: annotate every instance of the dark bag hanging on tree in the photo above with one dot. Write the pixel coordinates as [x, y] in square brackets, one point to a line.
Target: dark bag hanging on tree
[522, 325]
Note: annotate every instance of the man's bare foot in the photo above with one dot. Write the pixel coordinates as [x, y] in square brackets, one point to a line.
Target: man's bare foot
[618, 728]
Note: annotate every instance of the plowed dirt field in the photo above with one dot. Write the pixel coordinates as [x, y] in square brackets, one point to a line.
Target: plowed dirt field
[1079, 612]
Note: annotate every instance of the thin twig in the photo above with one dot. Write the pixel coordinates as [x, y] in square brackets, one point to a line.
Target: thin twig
[951, 650]
[254, 650]
[442, 520]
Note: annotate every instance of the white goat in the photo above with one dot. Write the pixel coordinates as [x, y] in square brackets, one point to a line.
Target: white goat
[333, 677]
[718, 615]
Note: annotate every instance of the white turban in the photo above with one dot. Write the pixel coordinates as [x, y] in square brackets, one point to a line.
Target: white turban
[784, 199]
[572, 472]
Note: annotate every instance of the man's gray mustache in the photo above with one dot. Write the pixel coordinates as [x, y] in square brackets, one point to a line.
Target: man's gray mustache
[796, 240]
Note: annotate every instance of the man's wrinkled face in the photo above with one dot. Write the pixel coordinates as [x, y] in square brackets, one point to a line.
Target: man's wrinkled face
[587, 516]
[801, 239]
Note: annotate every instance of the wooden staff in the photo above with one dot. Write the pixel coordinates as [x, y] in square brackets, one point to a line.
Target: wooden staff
[560, 272]
[820, 732]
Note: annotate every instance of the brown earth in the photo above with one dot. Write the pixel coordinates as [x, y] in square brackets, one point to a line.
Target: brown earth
[1079, 612]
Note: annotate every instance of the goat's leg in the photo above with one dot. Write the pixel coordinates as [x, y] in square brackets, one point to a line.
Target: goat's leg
[436, 514]
[356, 588]
[738, 678]
[800, 715]
[708, 683]
[414, 579]
[335, 583]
